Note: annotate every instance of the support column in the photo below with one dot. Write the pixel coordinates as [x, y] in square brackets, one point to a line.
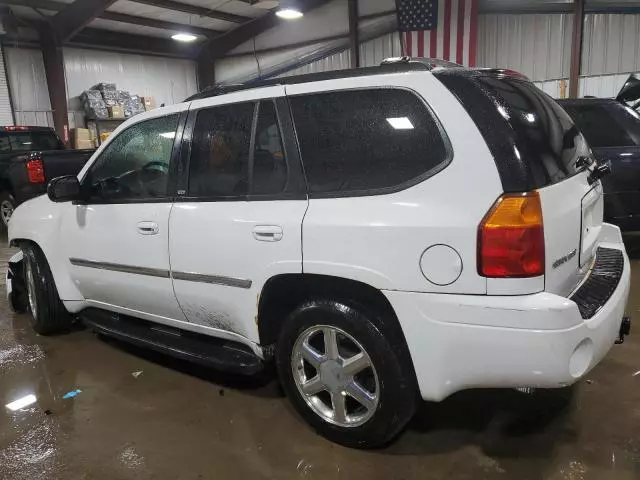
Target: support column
[354, 36]
[206, 69]
[54, 71]
[576, 48]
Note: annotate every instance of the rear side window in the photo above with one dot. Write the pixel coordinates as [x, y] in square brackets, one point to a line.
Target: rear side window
[366, 141]
[219, 164]
[600, 127]
[235, 154]
[29, 141]
[533, 140]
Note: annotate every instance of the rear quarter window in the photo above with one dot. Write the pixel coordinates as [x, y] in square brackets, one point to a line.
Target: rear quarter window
[533, 140]
[361, 142]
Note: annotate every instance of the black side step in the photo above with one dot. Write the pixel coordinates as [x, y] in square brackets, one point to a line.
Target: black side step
[202, 349]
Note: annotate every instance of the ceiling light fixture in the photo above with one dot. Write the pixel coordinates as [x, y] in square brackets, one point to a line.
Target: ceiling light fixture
[288, 10]
[184, 37]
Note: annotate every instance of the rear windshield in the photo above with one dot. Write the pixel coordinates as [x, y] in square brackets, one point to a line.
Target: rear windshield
[606, 125]
[533, 140]
[28, 141]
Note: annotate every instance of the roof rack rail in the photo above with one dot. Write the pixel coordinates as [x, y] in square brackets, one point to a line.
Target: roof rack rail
[384, 68]
[431, 63]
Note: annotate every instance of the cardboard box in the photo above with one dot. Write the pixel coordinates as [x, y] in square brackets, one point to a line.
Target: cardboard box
[84, 145]
[104, 136]
[149, 103]
[81, 136]
[116, 111]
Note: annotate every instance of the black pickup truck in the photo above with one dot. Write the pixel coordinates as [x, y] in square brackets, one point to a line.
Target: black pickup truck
[612, 128]
[29, 158]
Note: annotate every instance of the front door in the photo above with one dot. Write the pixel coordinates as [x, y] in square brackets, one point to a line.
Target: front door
[239, 221]
[117, 241]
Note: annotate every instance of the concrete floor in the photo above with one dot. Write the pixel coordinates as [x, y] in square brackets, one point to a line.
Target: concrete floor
[178, 421]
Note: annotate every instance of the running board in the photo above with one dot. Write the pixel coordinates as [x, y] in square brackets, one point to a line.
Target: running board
[202, 349]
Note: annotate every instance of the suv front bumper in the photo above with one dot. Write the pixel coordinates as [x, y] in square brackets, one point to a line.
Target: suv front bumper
[458, 342]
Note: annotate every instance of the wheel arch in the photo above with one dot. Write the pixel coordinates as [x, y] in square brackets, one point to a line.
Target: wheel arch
[281, 294]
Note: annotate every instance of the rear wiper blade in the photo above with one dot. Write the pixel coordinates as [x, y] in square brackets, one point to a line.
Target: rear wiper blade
[601, 170]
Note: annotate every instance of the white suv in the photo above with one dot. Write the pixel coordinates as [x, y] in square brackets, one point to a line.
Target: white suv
[385, 234]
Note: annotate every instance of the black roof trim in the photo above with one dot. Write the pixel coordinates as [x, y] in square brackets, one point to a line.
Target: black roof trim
[313, 77]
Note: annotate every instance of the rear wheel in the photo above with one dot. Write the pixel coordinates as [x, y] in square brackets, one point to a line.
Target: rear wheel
[344, 375]
[7, 206]
[48, 314]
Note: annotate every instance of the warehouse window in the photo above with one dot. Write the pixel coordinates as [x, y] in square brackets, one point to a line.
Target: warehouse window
[135, 164]
[366, 141]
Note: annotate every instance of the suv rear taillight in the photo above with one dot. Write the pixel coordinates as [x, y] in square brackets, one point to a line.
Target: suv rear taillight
[511, 238]
[35, 171]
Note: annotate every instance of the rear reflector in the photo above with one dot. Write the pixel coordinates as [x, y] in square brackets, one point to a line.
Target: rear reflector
[35, 171]
[511, 238]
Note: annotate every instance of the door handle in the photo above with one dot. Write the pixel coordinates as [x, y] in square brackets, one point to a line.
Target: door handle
[147, 228]
[267, 233]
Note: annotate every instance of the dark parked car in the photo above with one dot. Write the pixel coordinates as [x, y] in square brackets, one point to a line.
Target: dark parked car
[29, 158]
[612, 128]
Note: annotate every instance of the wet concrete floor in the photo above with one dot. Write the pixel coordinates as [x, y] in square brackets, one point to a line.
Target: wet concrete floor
[178, 421]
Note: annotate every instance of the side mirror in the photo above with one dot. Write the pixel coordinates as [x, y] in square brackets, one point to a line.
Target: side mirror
[64, 189]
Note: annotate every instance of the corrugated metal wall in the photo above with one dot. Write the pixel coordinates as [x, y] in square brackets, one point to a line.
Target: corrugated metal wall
[372, 53]
[538, 45]
[168, 80]
[6, 113]
[30, 95]
[611, 44]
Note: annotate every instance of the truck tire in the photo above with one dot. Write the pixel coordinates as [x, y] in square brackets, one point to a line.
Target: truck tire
[7, 206]
[48, 314]
[345, 375]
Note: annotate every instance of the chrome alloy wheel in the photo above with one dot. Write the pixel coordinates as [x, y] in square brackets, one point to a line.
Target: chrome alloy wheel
[335, 376]
[31, 289]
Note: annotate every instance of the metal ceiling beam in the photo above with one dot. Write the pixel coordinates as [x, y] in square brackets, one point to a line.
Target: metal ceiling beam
[117, 17]
[77, 15]
[195, 10]
[230, 40]
[110, 40]
[150, 22]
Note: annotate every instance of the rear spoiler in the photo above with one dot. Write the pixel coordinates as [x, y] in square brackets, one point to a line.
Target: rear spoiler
[630, 92]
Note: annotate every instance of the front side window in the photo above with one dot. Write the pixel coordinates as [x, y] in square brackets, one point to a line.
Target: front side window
[135, 165]
[366, 140]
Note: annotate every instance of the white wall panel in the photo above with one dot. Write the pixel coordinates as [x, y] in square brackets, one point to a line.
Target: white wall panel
[611, 43]
[6, 113]
[168, 80]
[538, 45]
[337, 61]
[328, 20]
[374, 51]
[28, 84]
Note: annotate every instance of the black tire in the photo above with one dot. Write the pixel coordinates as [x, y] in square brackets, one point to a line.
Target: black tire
[383, 342]
[50, 315]
[6, 201]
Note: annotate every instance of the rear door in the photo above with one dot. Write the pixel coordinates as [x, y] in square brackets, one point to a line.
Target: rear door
[237, 219]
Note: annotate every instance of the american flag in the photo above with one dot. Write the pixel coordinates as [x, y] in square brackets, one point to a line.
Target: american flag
[444, 29]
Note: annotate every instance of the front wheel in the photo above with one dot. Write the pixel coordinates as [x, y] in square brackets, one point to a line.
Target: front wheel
[7, 206]
[344, 376]
[48, 314]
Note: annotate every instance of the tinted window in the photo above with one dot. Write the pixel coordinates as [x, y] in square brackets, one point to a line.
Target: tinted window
[28, 141]
[219, 165]
[533, 140]
[600, 127]
[135, 164]
[270, 170]
[365, 140]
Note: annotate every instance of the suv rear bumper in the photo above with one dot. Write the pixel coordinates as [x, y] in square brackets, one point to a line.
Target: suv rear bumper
[467, 341]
